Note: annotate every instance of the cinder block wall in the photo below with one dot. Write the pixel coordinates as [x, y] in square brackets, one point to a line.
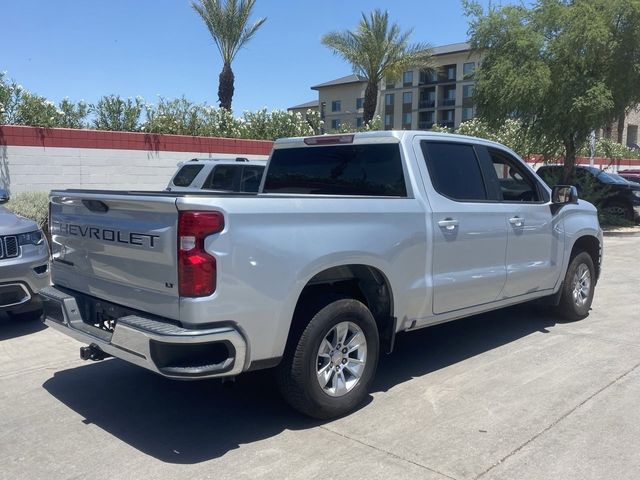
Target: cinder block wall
[38, 159]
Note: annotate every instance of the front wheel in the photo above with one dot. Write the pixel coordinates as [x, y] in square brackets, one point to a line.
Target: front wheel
[329, 370]
[578, 288]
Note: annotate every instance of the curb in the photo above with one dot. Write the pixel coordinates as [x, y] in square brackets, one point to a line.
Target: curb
[621, 234]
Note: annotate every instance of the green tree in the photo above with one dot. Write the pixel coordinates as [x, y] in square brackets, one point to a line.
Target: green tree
[377, 50]
[549, 66]
[227, 23]
[624, 61]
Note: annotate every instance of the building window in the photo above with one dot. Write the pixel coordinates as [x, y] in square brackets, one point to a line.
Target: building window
[467, 91]
[428, 76]
[446, 117]
[390, 84]
[468, 69]
[427, 98]
[467, 113]
[407, 78]
[388, 121]
[406, 120]
[426, 120]
[335, 106]
[389, 99]
[335, 124]
[407, 98]
[359, 122]
[359, 103]
[449, 96]
[448, 73]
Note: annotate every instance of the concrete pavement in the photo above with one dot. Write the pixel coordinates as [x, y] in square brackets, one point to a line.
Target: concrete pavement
[506, 395]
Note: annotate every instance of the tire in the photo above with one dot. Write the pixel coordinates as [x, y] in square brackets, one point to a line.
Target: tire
[578, 288]
[619, 210]
[314, 355]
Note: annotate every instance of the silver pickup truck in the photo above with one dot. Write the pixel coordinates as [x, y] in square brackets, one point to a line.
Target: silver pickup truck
[350, 240]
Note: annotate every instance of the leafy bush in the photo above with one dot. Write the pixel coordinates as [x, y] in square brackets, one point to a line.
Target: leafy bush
[276, 124]
[115, 113]
[20, 107]
[72, 115]
[10, 97]
[37, 111]
[607, 148]
[32, 205]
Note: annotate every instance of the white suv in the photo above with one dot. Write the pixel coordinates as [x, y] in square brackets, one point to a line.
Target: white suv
[24, 264]
[219, 174]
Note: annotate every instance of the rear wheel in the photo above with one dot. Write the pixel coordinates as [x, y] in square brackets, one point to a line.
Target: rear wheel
[578, 288]
[328, 371]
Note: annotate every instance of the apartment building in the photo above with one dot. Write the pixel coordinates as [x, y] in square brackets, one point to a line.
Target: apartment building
[418, 100]
[341, 101]
[441, 96]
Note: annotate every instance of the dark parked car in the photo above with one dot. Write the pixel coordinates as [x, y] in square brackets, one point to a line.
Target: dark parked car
[630, 175]
[619, 196]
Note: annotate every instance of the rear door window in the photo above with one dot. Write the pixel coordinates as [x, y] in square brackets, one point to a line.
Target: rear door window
[455, 171]
[186, 175]
[363, 170]
[222, 177]
[251, 177]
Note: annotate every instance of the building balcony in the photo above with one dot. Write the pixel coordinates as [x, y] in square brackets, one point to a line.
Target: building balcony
[426, 104]
[425, 125]
[446, 124]
[447, 102]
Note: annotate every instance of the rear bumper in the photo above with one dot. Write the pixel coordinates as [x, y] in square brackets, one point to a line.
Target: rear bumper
[164, 348]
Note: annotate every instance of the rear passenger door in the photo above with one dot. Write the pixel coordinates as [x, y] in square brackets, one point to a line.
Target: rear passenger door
[468, 224]
[535, 242]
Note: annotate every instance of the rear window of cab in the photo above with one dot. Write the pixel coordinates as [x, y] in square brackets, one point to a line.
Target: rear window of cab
[362, 170]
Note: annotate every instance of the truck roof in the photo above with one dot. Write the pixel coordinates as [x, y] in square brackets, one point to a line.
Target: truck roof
[382, 136]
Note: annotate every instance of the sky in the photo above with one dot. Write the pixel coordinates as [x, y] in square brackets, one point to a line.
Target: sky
[83, 49]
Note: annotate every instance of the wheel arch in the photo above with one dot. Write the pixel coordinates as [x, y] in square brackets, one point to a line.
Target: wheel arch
[362, 282]
[590, 244]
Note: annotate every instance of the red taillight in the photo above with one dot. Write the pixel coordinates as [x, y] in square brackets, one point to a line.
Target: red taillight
[196, 268]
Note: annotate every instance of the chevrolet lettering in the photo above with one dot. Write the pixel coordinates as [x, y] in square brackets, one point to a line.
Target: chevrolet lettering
[105, 234]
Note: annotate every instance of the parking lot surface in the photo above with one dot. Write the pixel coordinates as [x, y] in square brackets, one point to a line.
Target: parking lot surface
[512, 394]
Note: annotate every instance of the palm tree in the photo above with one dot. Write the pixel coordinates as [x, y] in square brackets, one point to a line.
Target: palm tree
[227, 23]
[377, 50]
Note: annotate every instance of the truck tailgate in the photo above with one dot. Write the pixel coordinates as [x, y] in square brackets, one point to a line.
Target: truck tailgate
[119, 247]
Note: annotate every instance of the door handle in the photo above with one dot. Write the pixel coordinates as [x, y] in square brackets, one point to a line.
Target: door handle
[516, 221]
[448, 224]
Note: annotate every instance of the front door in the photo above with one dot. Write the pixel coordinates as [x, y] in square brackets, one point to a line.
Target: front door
[535, 241]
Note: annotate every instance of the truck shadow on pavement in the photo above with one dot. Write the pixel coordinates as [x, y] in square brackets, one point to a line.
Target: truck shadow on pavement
[191, 422]
[14, 328]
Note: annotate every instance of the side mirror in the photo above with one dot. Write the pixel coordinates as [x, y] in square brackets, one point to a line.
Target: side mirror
[563, 194]
[4, 196]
